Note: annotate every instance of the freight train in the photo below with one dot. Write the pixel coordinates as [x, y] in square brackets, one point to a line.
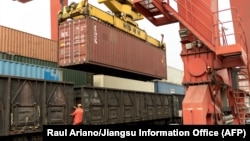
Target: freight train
[26, 104]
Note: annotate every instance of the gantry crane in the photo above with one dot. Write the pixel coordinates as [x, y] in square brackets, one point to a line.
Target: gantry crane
[216, 70]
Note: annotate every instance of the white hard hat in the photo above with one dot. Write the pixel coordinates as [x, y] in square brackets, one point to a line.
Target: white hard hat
[79, 105]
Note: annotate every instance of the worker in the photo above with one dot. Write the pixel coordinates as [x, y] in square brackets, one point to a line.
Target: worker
[78, 115]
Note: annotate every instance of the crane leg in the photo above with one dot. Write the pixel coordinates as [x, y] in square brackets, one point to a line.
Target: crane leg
[199, 107]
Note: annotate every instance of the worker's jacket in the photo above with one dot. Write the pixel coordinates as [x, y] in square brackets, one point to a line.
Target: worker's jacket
[78, 116]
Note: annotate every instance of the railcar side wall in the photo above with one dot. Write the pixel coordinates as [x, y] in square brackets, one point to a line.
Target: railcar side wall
[28, 104]
[115, 106]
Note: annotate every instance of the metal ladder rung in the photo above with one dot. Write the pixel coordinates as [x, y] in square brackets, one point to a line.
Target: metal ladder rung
[239, 107]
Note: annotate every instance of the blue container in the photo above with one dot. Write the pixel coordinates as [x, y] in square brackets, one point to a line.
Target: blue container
[13, 68]
[168, 88]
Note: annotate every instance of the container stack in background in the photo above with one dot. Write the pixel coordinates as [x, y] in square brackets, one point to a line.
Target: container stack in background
[170, 86]
[26, 55]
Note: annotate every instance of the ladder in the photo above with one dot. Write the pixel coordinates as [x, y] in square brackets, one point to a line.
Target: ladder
[239, 107]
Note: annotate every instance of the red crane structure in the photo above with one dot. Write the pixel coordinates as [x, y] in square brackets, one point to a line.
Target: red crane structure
[216, 61]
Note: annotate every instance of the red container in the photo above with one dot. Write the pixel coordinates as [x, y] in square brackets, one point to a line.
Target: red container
[90, 45]
[17, 42]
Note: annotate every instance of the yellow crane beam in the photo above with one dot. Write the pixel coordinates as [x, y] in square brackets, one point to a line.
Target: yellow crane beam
[122, 17]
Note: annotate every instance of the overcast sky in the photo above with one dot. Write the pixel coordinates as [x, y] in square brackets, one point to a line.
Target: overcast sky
[34, 17]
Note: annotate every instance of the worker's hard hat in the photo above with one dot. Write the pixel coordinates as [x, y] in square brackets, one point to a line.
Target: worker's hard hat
[79, 105]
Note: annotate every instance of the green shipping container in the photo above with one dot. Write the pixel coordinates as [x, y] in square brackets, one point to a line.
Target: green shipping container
[24, 59]
[78, 77]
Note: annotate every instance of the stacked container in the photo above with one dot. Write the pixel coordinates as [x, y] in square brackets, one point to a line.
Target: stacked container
[30, 56]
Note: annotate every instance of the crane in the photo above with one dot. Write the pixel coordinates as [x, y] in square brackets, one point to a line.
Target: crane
[216, 72]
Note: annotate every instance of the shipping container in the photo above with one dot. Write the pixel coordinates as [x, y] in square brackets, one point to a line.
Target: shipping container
[13, 68]
[91, 45]
[17, 42]
[77, 77]
[169, 88]
[28, 60]
[122, 83]
[28, 104]
[174, 75]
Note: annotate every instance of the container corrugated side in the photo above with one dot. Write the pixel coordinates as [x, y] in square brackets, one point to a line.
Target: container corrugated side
[28, 60]
[91, 45]
[21, 43]
[168, 88]
[77, 77]
[13, 68]
[122, 83]
[174, 75]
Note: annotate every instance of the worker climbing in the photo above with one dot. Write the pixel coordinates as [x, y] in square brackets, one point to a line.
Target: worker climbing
[78, 115]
